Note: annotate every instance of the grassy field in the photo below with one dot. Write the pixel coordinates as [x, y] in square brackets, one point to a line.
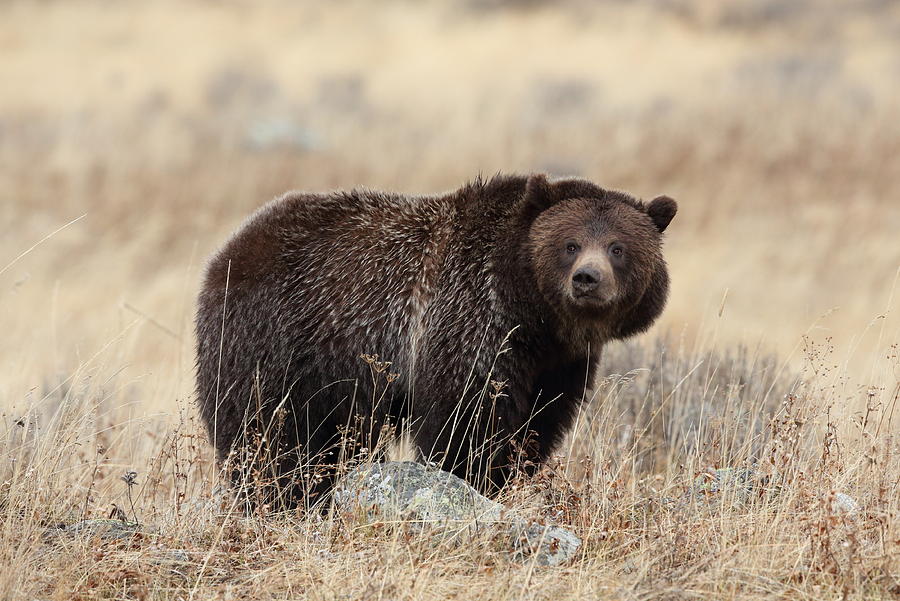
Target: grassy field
[133, 139]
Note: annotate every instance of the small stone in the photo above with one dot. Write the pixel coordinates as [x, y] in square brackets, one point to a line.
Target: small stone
[844, 503]
[280, 133]
[545, 545]
[737, 486]
[101, 528]
[171, 556]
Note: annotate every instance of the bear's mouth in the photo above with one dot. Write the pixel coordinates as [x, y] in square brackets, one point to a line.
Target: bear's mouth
[591, 300]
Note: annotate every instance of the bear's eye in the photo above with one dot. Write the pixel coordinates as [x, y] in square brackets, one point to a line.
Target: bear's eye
[571, 248]
[616, 250]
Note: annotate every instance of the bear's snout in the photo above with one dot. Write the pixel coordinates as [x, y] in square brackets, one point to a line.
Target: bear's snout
[586, 280]
[592, 283]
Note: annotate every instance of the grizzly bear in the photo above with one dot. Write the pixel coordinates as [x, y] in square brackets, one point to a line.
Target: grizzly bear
[472, 320]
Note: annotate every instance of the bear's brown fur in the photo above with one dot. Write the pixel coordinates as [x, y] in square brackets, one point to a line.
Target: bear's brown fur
[491, 302]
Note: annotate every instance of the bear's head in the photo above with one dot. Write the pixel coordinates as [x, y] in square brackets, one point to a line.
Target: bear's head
[597, 255]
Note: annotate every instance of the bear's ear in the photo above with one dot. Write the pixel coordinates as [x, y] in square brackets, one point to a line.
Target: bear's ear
[538, 192]
[661, 210]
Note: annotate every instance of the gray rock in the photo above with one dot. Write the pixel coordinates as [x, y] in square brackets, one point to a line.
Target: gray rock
[410, 492]
[105, 529]
[170, 556]
[733, 485]
[544, 544]
[844, 503]
[428, 498]
[175, 562]
[280, 133]
[740, 486]
[723, 479]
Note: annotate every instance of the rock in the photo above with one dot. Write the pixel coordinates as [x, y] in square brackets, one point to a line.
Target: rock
[219, 502]
[844, 503]
[430, 499]
[175, 562]
[734, 485]
[739, 486]
[105, 529]
[546, 545]
[715, 481]
[280, 133]
[410, 492]
[170, 556]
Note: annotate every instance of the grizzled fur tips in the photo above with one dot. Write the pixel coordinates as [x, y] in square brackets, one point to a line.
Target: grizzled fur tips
[492, 304]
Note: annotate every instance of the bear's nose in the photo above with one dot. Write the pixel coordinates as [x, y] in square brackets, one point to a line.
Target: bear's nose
[586, 279]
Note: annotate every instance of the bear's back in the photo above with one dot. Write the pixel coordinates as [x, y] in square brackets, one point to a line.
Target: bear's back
[338, 274]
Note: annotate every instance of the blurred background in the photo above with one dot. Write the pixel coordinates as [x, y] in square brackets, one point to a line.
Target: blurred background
[135, 136]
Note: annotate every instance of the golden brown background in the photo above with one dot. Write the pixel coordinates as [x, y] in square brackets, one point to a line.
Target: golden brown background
[164, 124]
[134, 137]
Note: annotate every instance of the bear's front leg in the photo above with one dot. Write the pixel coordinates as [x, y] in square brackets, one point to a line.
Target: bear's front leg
[479, 439]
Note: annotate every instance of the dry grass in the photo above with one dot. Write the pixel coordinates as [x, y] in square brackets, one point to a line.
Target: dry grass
[773, 123]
